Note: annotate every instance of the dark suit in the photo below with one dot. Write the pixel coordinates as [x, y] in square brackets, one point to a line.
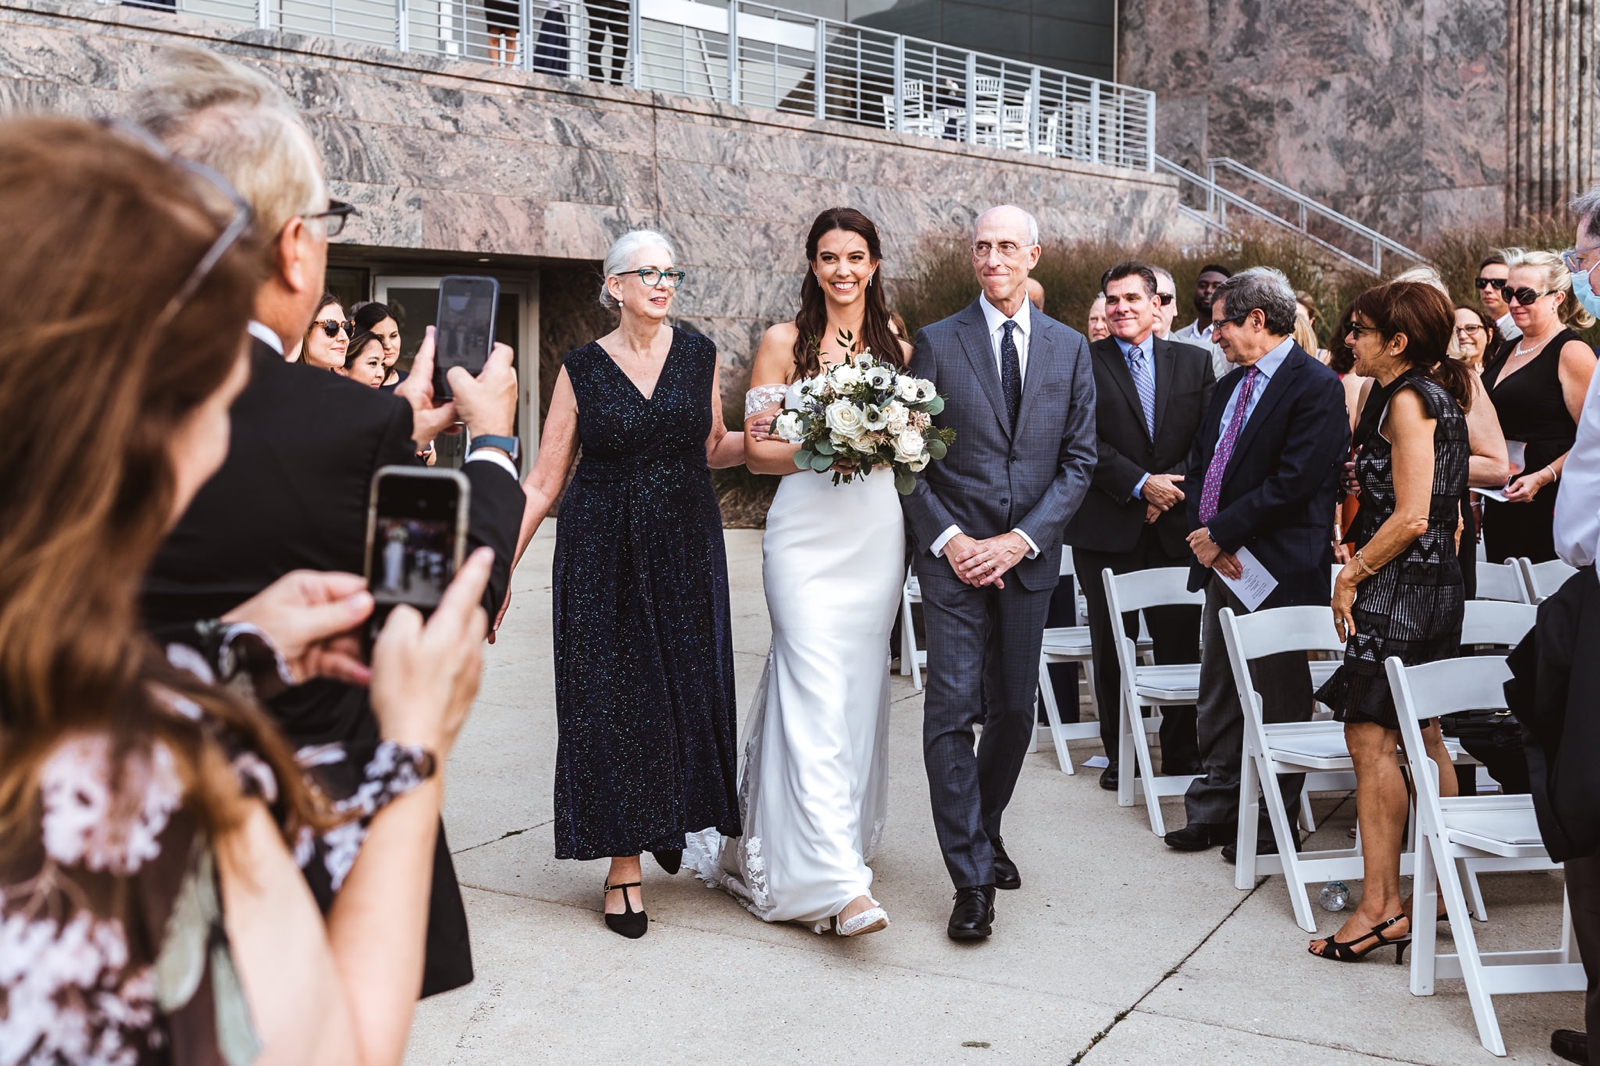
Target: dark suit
[1109, 530]
[1277, 499]
[983, 643]
[292, 495]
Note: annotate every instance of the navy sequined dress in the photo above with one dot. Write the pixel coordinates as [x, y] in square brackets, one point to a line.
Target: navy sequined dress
[643, 640]
[1413, 606]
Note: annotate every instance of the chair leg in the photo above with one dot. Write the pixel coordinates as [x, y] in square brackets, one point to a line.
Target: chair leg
[1424, 935]
[1088, 678]
[1469, 879]
[1466, 939]
[1283, 833]
[1152, 795]
[1307, 819]
[1125, 754]
[1244, 846]
[1052, 713]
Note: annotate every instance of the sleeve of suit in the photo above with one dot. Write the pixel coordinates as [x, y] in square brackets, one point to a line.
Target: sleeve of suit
[495, 519]
[1319, 438]
[1114, 473]
[929, 517]
[1079, 450]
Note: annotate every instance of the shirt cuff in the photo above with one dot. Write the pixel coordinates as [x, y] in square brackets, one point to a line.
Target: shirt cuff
[1033, 549]
[943, 539]
[496, 457]
[1138, 488]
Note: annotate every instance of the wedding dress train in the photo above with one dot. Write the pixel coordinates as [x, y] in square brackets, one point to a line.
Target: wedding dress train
[813, 779]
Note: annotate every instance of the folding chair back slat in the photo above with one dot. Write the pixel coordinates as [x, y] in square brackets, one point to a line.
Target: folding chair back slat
[1502, 581]
[1499, 623]
[1543, 579]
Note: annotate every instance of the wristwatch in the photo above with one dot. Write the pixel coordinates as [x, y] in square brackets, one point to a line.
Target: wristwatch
[510, 445]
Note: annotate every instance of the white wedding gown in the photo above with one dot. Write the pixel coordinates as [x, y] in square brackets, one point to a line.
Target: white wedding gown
[814, 776]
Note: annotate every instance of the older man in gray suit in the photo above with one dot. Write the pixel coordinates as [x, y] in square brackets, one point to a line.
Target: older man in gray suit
[1019, 392]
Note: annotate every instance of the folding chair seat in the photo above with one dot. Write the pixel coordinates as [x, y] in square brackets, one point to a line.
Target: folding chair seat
[1502, 581]
[1476, 828]
[1543, 579]
[1148, 686]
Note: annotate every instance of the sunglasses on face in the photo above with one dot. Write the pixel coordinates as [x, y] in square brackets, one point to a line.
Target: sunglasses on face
[332, 326]
[1525, 297]
[1357, 331]
[1483, 283]
[1164, 298]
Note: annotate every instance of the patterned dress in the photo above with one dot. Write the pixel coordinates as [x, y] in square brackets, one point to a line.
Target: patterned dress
[1413, 607]
[643, 635]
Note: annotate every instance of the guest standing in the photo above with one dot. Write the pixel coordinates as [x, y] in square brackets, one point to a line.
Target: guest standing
[1537, 385]
[1198, 332]
[1098, 329]
[363, 361]
[1166, 303]
[1401, 593]
[1475, 337]
[373, 317]
[1264, 473]
[1493, 273]
[643, 640]
[327, 339]
[1150, 395]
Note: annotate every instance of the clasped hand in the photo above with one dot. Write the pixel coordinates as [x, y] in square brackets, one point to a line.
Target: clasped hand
[1213, 557]
[982, 562]
[1161, 490]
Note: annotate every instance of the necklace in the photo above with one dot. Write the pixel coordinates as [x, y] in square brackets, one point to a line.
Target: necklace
[1521, 351]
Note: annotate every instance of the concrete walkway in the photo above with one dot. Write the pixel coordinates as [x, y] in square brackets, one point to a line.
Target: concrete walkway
[1115, 950]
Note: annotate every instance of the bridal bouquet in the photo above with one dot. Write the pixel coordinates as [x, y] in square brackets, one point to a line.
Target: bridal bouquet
[864, 413]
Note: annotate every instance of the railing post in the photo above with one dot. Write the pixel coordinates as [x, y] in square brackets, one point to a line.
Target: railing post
[264, 14]
[733, 52]
[972, 98]
[1150, 132]
[899, 83]
[524, 60]
[636, 48]
[819, 73]
[1034, 110]
[1094, 121]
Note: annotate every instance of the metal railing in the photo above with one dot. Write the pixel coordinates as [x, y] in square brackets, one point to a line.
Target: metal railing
[1305, 213]
[784, 60]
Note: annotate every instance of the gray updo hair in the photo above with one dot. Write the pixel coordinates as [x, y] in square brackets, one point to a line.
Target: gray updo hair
[621, 254]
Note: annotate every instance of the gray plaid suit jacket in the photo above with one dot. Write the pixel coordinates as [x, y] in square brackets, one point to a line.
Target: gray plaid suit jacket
[994, 480]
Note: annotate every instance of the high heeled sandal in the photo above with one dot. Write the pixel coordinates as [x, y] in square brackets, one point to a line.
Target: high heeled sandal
[630, 923]
[1346, 950]
[871, 920]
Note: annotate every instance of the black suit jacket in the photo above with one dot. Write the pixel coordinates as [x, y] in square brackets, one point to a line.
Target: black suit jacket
[1111, 517]
[1282, 481]
[292, 494]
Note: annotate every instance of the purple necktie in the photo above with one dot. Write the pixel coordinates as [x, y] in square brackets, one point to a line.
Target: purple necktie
[1212, 488]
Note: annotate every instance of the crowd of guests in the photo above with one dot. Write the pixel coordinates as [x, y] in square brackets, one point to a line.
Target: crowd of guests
[231, 815]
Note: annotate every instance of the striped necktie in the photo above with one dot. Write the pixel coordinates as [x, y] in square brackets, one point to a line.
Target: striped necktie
[1145, 382]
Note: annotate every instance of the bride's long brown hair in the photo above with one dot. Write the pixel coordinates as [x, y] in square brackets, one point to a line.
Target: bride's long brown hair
[100, 234]
[812, 321]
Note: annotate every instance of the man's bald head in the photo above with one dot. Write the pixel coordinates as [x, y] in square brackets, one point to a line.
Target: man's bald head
[1005, 247]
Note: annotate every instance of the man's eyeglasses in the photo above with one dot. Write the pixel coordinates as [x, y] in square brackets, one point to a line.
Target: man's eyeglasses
[331, 327]
[238, 225]
[1007, 249]
[1215, 322]
[653, 276]
[1525, 297]
[1573, 258]
[333, 218]
[1483, 283]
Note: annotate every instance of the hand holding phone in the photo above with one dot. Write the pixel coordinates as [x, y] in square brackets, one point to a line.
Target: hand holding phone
[416, 537]
[464, 328]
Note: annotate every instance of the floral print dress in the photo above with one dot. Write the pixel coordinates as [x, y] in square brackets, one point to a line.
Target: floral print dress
[112, 945]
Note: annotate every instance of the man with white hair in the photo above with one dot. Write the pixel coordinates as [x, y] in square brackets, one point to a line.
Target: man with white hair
[293, 491]
[1166, 303]
[988, 521]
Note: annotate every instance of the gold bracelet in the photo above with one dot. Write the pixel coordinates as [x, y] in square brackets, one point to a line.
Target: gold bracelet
[1362, 562]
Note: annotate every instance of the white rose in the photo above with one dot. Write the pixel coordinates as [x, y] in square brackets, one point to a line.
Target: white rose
[844, 418]
[905, 387]
[896, 417]
[786, 427]
[880, 377]
[920, 463]
[908, 445]
[874, 417]
[845, 376]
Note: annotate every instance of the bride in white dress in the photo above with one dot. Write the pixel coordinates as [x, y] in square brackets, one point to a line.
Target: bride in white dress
[813, 777]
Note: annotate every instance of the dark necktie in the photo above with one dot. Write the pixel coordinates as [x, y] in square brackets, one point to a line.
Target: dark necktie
[1010, 373]
[1211, 487]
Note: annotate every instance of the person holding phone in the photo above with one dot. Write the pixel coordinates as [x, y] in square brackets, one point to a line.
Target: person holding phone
[646, 751]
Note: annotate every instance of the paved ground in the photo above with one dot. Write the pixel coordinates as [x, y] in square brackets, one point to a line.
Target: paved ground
[1115, 950]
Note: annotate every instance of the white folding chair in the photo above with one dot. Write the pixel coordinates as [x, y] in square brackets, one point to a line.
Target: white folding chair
[1502, 581]
[1543, 579]
[1148, 686]
[912, 659]
[1316, 749]
[1066, 644]
[1478, 828]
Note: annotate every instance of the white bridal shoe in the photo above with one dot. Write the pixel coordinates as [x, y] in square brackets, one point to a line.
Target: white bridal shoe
[870, 920]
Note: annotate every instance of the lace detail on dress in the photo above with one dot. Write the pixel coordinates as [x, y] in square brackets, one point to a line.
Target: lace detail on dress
[762, 397]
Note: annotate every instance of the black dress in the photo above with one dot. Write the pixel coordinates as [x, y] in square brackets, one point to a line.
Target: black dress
[643, 636]
[1413, 607]
[1533, 410]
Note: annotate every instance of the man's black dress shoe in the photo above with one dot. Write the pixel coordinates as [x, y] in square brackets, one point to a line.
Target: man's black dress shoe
[1108, 779]
[1266, 844]
[1198, 836]
[1006, 874]
[1570, 1045]
[972, 918]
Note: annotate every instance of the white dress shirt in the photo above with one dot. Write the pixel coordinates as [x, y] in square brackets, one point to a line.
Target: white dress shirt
[1508, 327]
[1577, 520]
[265, 336]
[996, 320]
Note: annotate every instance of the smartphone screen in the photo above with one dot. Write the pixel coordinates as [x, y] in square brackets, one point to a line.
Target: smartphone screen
[464, 328]
[416, 537]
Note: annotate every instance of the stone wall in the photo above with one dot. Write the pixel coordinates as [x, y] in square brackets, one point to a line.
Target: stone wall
[1392, 111]
[461, 157]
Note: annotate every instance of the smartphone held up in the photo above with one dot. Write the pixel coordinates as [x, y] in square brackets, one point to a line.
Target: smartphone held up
[416, 537]
[464, 328]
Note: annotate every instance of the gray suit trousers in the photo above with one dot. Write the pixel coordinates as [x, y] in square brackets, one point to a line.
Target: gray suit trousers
[983, 666]
[1284, 682]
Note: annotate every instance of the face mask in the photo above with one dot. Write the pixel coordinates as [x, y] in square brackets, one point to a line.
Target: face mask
[1584, 291]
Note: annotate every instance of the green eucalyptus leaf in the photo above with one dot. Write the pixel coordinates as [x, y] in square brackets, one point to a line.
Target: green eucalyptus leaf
[802, 460]
[935, 405]
[905, 482]
[819, 463]
[936, 447]
[825, 447]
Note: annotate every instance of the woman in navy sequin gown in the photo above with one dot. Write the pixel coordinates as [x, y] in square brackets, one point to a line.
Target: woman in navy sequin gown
[643, 644]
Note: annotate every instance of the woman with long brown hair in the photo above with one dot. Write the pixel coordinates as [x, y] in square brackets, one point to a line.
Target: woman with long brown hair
[150, 907]
[814, 776]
